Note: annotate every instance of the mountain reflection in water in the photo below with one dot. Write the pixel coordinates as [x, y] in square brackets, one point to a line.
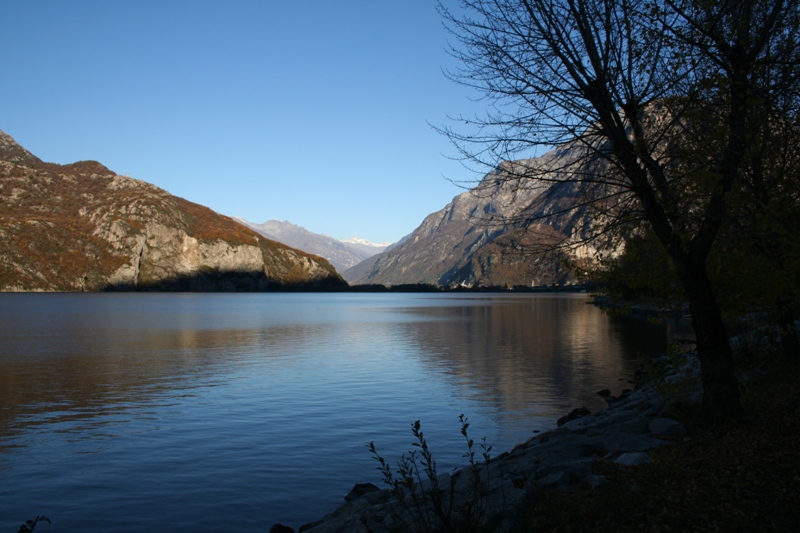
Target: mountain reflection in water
[197, 409]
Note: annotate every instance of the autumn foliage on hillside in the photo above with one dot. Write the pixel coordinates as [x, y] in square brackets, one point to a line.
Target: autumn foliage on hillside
[47, 245]
[72, 227]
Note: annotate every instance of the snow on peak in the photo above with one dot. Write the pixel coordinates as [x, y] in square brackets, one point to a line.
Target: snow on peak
[364, 242]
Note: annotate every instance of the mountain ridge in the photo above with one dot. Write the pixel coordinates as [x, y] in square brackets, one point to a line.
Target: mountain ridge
[363, 242]
[82, 227]
[486, 236]
[342, 254]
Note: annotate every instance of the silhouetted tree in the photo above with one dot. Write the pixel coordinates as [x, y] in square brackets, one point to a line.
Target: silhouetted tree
[658, 101]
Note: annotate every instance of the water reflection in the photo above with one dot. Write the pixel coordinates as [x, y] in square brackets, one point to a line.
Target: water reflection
[63, 363]
[554, 352]
[235, 403]
[504, 352]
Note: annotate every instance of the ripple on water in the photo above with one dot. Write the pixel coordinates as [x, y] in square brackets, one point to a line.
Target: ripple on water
[192, 412]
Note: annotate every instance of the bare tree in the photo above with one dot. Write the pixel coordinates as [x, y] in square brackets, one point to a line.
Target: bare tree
[658, 97]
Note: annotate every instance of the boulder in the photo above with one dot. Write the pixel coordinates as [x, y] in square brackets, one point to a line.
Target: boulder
[621, 442]
[666, 427]
[553, 480]
[633, 459]
[358, 490]
[594, 480]
[573, 415]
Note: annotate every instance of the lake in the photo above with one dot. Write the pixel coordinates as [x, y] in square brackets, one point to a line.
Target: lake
[220, 412]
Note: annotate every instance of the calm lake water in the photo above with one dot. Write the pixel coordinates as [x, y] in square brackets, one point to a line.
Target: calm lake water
[222, 412]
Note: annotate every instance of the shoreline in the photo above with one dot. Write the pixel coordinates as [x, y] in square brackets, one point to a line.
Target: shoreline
[562, 458]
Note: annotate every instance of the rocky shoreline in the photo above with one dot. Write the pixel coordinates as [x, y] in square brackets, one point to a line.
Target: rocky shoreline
[561, 459]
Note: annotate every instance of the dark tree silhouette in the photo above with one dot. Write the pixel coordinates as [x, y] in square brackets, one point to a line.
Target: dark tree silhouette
[657, 99]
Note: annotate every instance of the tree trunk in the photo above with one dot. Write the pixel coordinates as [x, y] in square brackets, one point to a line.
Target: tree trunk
[790, 344]
[720, 387]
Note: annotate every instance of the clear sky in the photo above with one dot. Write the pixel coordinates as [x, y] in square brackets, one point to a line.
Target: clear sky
[311, 111]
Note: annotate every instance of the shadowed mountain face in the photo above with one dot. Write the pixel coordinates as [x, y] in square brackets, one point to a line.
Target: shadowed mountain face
[81, 227]
[481, 237]
[341, 254]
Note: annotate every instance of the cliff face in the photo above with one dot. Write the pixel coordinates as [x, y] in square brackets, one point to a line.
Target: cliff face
[491, 235]
[81, 227]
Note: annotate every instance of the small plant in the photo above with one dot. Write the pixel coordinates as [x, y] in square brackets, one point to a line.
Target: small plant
[671, 375]
[472, 510]
[756, 345]
[418, 489]
[30, 525]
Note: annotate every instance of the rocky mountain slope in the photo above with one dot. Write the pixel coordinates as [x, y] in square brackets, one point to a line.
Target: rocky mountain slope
[341, 254]
[482, 238]
[81, 227]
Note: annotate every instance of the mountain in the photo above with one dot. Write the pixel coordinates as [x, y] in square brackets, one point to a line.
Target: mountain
[366, 246]
[342, 254]
[478, 239]
[82, 227]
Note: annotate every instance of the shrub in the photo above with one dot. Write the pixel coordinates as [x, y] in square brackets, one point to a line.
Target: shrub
[417, 486]
[30, 525]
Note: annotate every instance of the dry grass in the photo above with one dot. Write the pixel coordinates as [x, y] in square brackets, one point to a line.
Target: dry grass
[69, 227]
[731, 476]
[48, 244]
[205, 224]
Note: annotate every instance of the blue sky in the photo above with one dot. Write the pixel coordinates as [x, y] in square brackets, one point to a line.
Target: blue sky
[311, 111]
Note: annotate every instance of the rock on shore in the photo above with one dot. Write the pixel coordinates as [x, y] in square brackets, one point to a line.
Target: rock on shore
[562, 458]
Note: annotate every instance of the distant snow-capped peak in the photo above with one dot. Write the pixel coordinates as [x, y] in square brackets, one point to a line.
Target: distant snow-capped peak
[364, 242]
